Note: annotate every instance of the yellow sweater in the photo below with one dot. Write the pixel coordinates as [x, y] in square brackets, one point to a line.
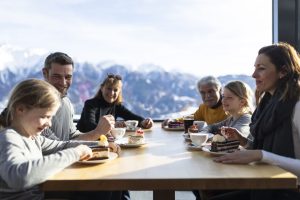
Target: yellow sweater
[209, 115]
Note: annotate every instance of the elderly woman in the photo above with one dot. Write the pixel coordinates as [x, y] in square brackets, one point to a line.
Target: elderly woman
[108, 100]
[275, 123]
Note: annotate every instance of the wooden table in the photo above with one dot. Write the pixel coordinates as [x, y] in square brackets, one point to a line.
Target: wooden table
[164, 165]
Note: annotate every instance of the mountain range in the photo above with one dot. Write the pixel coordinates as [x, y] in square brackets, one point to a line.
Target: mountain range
[149, 91]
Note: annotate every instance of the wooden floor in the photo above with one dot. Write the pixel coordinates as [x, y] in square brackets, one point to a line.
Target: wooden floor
[148, 195]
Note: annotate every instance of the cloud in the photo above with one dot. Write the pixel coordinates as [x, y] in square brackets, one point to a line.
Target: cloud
[193, 36]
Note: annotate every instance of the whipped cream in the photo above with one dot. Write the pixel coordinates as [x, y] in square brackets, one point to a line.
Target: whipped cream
[218, 138]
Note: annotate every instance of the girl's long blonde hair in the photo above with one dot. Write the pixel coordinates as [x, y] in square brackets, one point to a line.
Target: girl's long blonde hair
[31, 93]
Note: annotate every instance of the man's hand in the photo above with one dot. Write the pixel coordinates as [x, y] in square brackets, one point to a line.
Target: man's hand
[105, 124]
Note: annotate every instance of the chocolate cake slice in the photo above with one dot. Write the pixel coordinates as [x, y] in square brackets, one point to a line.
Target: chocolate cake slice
[175, 124]
[100, 153]
[226, 146]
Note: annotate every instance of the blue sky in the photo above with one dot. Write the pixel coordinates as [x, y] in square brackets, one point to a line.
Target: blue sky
[195, 36]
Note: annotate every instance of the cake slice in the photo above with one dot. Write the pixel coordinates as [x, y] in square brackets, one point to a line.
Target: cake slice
[175, 124]
[219, 143]
[193, 129]
[137, 138]
[100, 153]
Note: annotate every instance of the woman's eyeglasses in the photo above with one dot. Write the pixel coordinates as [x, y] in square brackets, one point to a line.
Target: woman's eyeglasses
[118, 77]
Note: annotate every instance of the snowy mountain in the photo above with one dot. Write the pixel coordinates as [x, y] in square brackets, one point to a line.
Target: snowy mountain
[149, 91]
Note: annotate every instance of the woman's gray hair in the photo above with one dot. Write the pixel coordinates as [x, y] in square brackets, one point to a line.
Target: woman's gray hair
[209, 80]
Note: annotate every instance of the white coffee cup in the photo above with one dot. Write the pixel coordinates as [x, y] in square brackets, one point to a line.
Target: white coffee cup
[118, 133]
[131, 124]
[198, 138]
[200, 124]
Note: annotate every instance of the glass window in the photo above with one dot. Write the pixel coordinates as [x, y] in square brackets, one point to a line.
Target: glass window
[160, 48]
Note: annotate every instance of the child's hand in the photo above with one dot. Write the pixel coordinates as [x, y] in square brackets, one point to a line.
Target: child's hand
[84, 151]
[114, 147]
[230, 133]
[233, 134]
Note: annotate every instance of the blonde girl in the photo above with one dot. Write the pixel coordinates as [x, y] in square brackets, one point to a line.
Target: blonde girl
[26, 158]
[237, 103]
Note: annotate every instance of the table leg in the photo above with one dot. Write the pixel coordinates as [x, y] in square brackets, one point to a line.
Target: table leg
[163, 195]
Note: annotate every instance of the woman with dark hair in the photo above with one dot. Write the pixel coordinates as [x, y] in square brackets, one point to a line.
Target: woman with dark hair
[108, 100]
[275, 125]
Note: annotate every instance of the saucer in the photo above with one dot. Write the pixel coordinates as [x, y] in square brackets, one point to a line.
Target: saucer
[207, 148]
[192, 146]
[143, 129]
[127, 145]
[124, 143]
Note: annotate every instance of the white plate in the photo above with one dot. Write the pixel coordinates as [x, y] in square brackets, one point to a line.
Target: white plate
[127, 145]
[207, 148]
[173, 129]
[112, 156]
[192, 146]
[143, 129]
